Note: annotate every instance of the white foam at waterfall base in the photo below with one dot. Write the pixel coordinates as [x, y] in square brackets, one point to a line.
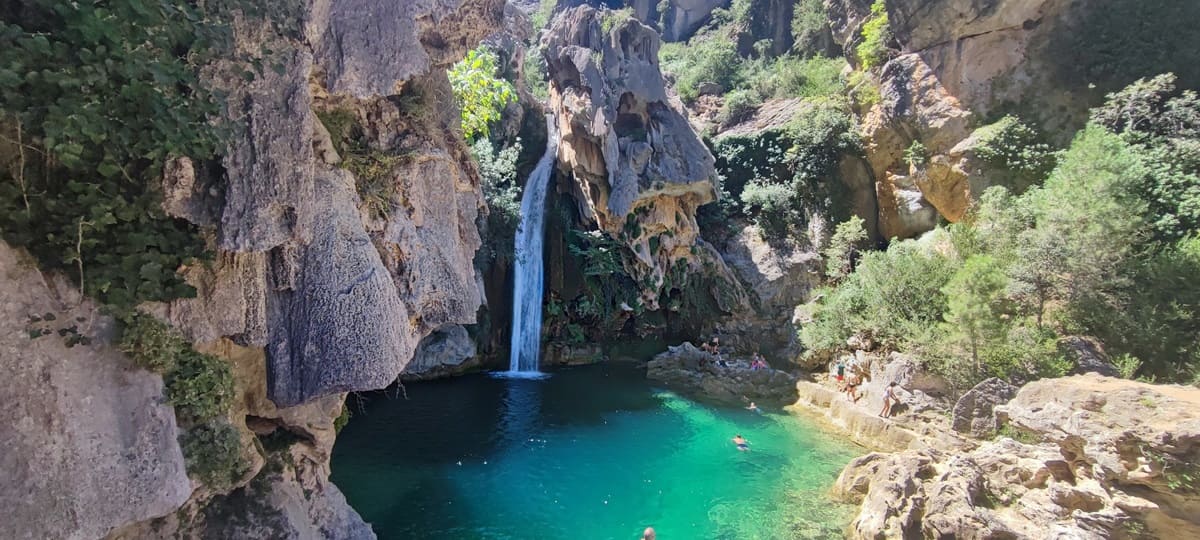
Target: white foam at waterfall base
[528, 272]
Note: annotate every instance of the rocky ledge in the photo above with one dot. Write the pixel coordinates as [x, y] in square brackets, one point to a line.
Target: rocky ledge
[722, 379]
[1080, 457]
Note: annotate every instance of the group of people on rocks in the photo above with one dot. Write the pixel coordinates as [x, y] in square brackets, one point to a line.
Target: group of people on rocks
[713, 347]
[848, 384]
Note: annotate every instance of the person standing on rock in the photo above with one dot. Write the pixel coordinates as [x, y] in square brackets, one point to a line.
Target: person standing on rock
[889, 399]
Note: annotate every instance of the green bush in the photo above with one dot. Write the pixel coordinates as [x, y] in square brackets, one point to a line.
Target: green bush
[810, 24]
[95, 98]
[342, 419]
[891, 296]
[739, 106]
[772, 207]
[1164, 124]
[213, 452]
[200, 387]
[1017, 148]
[873, 49]
[916, 154]
[498, 172]
[612, 18]
[151, 343]
[704, 59]
[791, 77]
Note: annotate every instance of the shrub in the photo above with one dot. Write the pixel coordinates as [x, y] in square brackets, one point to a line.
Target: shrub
[704, 59]
[95, 99]
[200, 387]
[498, 173]
[612, 18]
[739, 106]
[1017, 148]
[480, 93]
[873, 49]
[151, 343]
[213, 452]
[916, 154]
[791, 76]
[810, 24]
[772, 207]
[342, 419]
[891, 296]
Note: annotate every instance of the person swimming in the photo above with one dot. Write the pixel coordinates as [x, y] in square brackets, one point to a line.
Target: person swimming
[754, 408]
[741, 443]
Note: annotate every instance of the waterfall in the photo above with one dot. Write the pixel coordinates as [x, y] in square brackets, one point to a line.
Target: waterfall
[527, 268]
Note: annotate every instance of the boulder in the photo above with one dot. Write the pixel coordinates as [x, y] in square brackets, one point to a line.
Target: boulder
[447, 351]
[973, 411]
[720, 379]
[1088, 356]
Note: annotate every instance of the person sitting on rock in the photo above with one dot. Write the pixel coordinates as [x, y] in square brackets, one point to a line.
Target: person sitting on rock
[742, 444]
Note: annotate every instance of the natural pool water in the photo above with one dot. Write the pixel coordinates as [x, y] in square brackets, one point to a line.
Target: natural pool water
[592, 452]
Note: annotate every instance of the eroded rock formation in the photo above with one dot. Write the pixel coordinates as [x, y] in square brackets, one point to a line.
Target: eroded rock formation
[1099, 458]
[639, 171]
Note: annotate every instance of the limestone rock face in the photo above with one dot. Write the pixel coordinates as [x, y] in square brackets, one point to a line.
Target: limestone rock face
[87, 442]
[639, 171]
[684, 17]
[369, 49]
[973, 412]
[339, 277]
[342, 314]
[1109, 459]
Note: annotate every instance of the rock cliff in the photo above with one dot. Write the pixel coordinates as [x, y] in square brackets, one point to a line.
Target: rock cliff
[342, 217]
[954, 66]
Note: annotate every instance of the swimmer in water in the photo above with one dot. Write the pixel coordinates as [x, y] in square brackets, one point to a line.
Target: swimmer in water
[741, 443]
[754, 408]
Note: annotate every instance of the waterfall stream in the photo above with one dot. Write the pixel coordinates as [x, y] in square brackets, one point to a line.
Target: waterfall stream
[527, 267]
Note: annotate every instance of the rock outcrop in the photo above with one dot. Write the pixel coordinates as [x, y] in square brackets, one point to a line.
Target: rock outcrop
[87, 442]
[639, 171]
[1099, 458]
[682, 18]
[974, 412]
[711, 377]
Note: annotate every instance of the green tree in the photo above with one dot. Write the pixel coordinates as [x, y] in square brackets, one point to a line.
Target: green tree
[479, 92]
[975, 314]
[843, 244]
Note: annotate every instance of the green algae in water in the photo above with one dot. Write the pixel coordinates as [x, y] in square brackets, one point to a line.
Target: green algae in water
[590, 453]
